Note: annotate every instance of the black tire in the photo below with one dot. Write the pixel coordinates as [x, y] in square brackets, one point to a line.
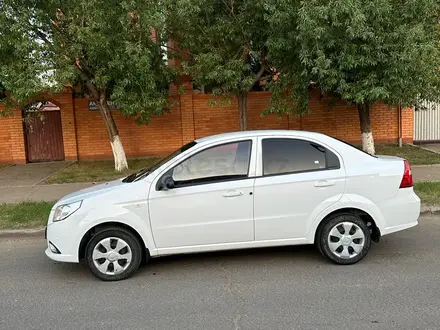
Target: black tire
[118, 233]
[323, 237]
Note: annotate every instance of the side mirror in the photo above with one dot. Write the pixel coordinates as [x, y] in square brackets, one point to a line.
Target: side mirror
[167, 182]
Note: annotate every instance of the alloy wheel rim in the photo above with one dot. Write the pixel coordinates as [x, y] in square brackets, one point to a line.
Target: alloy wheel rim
[112, 256]
[346, 240]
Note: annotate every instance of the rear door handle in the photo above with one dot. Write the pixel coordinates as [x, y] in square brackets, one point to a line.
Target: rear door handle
[232, 193]
[324, 183]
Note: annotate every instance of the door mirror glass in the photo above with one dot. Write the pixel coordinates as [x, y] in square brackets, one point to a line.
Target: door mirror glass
[167, 183]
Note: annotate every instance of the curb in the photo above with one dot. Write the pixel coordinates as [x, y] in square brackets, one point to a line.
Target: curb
[429, 209]
[425, 210]
[22, 233]
[425, 166]
[427, 149]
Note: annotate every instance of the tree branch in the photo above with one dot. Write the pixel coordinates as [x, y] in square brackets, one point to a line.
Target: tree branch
[227, 6]
[42, 35]
[259, 74]
[86, 79]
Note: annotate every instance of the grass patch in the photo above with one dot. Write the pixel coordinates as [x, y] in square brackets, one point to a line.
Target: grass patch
[2, 166]
[25, 215]
[98, 170]
[414, 154]
[428, 191]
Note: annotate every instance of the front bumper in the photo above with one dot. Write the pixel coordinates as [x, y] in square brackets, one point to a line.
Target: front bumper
[65, 237]
[61, 257]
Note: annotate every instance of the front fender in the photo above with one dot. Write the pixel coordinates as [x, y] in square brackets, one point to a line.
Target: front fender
[133, 214]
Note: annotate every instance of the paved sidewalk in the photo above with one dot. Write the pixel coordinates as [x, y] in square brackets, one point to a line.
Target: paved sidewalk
[435, 147]
[29, 174]
[24, 183]
[426, 173]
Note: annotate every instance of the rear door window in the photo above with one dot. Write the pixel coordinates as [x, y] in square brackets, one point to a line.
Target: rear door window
[283, 156]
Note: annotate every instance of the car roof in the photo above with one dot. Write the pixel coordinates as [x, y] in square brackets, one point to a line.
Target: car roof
[256, 133]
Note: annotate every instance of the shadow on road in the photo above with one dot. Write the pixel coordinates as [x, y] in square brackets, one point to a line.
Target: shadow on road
[390, 249]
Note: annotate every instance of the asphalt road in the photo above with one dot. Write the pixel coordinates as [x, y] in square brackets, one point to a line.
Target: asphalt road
[397, 286]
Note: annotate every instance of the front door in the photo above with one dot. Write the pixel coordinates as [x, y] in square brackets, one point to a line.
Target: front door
[44, 135]
[299, 178]
[212, 198]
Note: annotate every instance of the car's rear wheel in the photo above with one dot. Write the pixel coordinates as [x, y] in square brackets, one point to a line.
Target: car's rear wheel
[344, 239]
[113, 254]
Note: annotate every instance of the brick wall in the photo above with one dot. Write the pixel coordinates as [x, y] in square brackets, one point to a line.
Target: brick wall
[163, 134]
[340, 120]
[85, 136]
[12, 143]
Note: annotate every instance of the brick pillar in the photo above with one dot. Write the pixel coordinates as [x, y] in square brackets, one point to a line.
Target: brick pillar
[187, 117]
[408, 125]
[65, 102]
[17, 140]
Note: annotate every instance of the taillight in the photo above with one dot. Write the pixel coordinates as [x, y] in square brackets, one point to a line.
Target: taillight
[407, 180]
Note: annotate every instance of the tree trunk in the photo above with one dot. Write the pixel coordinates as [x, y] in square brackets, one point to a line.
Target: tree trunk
[367, 135]
[242, 109]
[113, 134]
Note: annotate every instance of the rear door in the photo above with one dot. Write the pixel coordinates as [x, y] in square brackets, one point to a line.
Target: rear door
[298, 178]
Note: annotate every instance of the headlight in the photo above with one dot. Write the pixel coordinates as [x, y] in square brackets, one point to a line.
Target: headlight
[63, 211]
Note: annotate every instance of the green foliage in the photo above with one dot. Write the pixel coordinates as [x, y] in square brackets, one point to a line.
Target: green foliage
[226, 42]
[101, 45]
[361, 51]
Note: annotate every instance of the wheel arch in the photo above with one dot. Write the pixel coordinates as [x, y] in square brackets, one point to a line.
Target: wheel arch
[365, 216]
[99, 227]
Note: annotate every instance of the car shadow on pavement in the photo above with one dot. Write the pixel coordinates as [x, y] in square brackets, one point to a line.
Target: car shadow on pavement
[246, 260]
[239, 260]
[69, 271]
[199, 262]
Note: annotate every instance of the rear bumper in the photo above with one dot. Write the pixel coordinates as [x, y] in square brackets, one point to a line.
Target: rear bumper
[401, 212]
[390, 230]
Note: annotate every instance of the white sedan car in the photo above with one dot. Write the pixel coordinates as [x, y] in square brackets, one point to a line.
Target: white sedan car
[234, 191]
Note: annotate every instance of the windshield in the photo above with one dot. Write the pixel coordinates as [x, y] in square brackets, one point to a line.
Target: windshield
[142, 173]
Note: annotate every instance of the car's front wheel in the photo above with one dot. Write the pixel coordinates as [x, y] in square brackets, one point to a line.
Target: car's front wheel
[113, 254]
[344, 239]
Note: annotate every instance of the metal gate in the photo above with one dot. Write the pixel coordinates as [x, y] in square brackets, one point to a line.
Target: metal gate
[427, 122]
[44, 136]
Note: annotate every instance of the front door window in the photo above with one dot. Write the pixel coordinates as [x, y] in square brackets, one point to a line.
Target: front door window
[220, 163]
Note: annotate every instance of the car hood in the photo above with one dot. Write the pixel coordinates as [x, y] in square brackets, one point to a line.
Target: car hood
[92, 191]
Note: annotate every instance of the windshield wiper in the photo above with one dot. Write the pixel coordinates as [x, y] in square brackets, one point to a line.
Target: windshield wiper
[136, 175]
[129, 178]
[142, 175]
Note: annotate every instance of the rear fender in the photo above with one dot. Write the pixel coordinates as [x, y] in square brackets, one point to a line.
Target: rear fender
[350, 201]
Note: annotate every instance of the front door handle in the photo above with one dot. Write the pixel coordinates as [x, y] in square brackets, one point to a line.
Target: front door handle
[232, 193]
[324, 183]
